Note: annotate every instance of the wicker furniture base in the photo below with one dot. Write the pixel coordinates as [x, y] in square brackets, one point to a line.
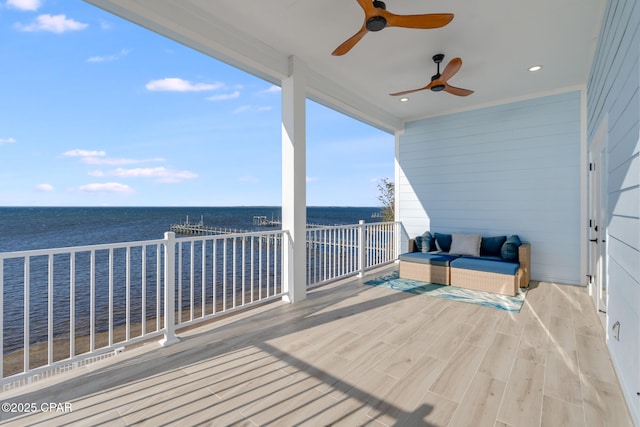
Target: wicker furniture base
[505, 284]
[424, 272]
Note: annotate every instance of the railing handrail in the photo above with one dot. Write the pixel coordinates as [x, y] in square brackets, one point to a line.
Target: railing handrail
[76, 249]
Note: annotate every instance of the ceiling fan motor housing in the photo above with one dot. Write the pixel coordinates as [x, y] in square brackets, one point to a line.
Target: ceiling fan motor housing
[377, 23]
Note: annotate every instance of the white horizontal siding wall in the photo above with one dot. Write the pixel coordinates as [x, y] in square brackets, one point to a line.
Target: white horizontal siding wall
[612, 93]
[508, 169]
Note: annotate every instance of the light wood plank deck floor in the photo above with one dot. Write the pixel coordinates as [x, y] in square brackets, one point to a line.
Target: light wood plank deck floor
[352, 355]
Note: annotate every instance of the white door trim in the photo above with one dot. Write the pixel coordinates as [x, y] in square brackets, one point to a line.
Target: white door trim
[597, 230]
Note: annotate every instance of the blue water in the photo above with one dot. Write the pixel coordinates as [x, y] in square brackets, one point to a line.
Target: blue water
[31, 228]
[46, 227]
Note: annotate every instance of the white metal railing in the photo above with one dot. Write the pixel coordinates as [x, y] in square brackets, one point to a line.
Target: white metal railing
[60, 307]
[63, 307]
[339, 251]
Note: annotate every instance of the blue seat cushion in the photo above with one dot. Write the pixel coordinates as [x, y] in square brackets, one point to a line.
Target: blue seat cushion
[433, 258]
[487, 265]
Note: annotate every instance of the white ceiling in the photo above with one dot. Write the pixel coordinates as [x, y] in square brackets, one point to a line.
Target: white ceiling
[497, 40]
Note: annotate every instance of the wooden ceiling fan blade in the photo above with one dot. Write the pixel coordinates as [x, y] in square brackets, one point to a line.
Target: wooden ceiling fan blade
[426, 21]
[406, 92]
[451, 69]
[367, 6]
[457, 90]
[350, 42]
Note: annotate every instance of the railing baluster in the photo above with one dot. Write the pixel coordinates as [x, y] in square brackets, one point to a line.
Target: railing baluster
[27, 291]
[50, 310]
[72, 305]
[111, 267]
[144, 291]
[203, 276]
[244, 263]
[191, 280]
[179, 282]
[158, 282]
[224, 274]
[260, 268]
[215, 276]
[127, 291]
[92, 301]
[233, 271]
[253, 239]
[276, 245]
[268, 264]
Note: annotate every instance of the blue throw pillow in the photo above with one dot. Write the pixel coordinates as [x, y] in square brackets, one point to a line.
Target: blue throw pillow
[491, 246]
[427, 242]
[509, 251]
[443, 241]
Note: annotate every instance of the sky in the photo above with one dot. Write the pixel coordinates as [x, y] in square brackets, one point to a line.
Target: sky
[97, 111]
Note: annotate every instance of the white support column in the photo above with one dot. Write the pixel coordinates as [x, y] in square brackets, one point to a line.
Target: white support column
[294, 180]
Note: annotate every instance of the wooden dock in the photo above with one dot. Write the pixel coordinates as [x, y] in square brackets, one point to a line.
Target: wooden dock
[263, 221]
[200, 229]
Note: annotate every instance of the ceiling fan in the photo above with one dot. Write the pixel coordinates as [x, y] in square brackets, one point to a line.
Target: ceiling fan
[377, 18]
[439, 81]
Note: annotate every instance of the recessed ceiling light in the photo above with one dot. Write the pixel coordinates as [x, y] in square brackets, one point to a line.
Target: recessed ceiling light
[404, 99]
[535, 68]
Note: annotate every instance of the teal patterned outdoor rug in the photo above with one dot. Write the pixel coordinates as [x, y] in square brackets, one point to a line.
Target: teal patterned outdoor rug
[487, 299]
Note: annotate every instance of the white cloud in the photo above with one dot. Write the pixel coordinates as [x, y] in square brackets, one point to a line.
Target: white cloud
[99, 157]
[44, 187]
[271, 89]
[89, 160]
[174, 84]
[160, 174]
[224, 96]
[24, 4]
[109, 58]
[84, 153]
[53, 23]
[108, 187]
[312, 179]
[7, 140]
[252, 109]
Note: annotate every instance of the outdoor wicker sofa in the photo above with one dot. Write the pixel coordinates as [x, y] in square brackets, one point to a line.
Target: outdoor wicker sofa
[491, 264]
